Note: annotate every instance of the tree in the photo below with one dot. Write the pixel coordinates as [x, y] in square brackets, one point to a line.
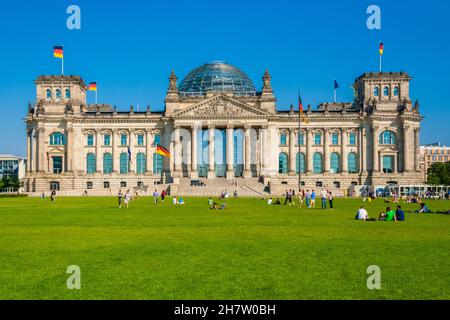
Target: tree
[439, 173]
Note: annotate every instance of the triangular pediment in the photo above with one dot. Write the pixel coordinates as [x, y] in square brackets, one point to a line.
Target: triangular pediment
[220, 107]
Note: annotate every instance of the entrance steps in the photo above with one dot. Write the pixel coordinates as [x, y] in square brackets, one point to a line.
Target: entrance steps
[214, 187]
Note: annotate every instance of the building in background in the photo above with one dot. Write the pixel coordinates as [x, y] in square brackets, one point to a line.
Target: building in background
[431, 153]
[219, 128]
[12, 166]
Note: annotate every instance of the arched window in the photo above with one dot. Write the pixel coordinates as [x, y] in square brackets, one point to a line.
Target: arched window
[376, 91]
[157, 163]
[90, 163]
[317, 163]
[107, 163]
[335, 161]
[352, 163]
[395, 91]
[67, 93]
[140, 163]
[124, 168]
[300, 163]
[58, 94]
[386, 91]
[48, 94]
[283, 163]
[57, 139]
[387, 137]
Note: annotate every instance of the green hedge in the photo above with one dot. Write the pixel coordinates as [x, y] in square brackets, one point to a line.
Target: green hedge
[13, 195]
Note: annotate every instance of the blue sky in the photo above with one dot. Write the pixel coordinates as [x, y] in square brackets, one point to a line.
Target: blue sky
[130, 47]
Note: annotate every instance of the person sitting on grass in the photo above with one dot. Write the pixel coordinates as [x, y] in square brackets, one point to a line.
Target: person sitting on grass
[174, 200]
[210, 201]
[399, 214]
[389, 215]
[423, 208]
[223, 206]
[362, 214]
[269, 201]
[180, 201]
[213, 206]
[278, 201]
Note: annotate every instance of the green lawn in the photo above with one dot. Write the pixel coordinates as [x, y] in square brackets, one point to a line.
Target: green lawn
[249, 251]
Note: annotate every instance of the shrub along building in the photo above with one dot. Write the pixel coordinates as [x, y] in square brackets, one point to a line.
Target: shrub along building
[218, 127]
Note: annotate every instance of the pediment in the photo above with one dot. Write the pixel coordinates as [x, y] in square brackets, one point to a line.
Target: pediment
[221, 107]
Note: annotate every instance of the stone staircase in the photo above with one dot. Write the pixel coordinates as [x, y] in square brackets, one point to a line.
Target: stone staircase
[214, 187]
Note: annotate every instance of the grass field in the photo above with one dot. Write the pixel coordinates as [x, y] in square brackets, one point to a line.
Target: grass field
[249, 251]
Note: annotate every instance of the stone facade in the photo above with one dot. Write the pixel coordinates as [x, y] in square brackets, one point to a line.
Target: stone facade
[430, 154]
[72, 146]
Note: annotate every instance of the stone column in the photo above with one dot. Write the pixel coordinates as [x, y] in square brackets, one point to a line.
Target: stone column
[211, 172]
[291, 152]
[344, 155]
[309, 153]
[375, 160]
[407, 148]
[247, 153]
[363, 148]
[178, 151]
[416, 150]
[29, 134]
[41, 152]
[194, 143]
[33, 151]
[98, 153]
[326, 150]
[264, 146]
[115, 151]
[69, 149]
[230, 152]
[148, 152]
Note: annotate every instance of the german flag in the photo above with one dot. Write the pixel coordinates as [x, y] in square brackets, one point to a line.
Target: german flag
[302, 116]
[58, 52]
[162, 151]
[381, 48]
[92, 86]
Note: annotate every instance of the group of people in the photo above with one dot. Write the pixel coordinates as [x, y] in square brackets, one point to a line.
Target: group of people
[125, 198]
[308, 197]
[388, 215]
[214, 205]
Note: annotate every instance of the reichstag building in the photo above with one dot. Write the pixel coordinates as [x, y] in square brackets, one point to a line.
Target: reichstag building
[220, 130]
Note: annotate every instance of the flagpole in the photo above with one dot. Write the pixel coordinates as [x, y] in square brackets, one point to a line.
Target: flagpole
[381, 56]
[299, 149]
[334, 94]
[62, 65]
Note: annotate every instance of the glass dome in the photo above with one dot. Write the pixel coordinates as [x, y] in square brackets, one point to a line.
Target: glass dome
[216, 76]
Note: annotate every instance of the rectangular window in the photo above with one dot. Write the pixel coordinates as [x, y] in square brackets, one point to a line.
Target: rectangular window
[301, 139]
[89, 185]
[140, 139]
[107, 140]
[388, 164]
[157, 140]
[123, 184]
[283, 139]
[90, 139]
[352, 139]
[106, 184]
[334, 139]
[317, 139]
[123, 139]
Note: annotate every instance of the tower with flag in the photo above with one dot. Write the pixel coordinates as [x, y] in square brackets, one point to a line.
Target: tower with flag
[93, 87]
